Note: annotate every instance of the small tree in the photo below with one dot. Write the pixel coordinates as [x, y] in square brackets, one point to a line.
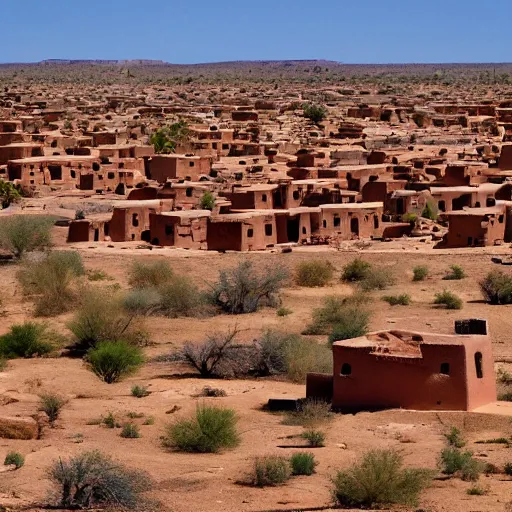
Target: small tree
[91, 480]
[244, 290]
[315, 113]
[207, 201]
[165, 140]
[430, 211]
[356, 270]
[25, 233]
[8, 194]
[113, 360]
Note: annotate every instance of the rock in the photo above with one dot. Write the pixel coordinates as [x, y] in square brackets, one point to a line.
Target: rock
[18, 428]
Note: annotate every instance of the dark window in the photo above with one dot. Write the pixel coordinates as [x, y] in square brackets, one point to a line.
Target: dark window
[191, 164]
[225, 146]
[500, 219]
[250, 232]
[324, 223]
[477, 204]
[442, 206]
[95, 166]
[268, 229]
[375, 222]
[346, 369]
[478, 365]
[168, 229]
[214, 145]
[72, 173]
[296, 195]
[445, 368]
[100, 176]
[135, 220]
[111, 175]
[188, 192]
[337, 221]
[264, 198]
[304, 230]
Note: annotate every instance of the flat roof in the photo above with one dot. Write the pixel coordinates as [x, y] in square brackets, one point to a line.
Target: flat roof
[54, 158]
[351, 206]
[187, 214]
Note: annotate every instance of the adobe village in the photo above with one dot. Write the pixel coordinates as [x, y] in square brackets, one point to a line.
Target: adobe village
[255, 286]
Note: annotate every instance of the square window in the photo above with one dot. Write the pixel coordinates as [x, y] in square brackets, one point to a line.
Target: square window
[268, 229]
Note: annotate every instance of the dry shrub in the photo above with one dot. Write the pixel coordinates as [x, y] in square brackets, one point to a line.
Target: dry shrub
[150, 274]
[270, 470]
[497, 287]
[378, 278]
[448, 299]
[20, 234]
[313, 273]
[311, 413]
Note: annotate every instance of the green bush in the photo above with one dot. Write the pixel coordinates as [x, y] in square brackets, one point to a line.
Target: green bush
[454, 438]
[180, 297]
[140, 391]
[3, 363]
[397, 300]
[455, 461]
[14, 458]
[51, 405]
[130, 431]
[270, 470]
[165, 139]
[409, 217]
[303, 463]
[282, 311]
[27, 340]
[507, 469]
[207, 201]
[20, 234]
[497, 287]
[93, 480]
[142, 301]
[315, 438]
[313, 273]
[150, 274]
[49, 281]
[110, 421]
[431, 211]
[356, 270]
[456, 273]
[9, 193]
[113, 360]
[379, 479]
[378, 278]
[101, 316]
[311, 413]
[420, 273]
[448, 299]
[209, 431]
[244, 289]
[315, 113]
[476, 490]
[350, 314]
[352, 324]
[292, 355]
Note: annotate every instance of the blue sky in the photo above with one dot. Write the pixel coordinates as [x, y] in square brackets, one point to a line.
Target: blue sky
[192, 31]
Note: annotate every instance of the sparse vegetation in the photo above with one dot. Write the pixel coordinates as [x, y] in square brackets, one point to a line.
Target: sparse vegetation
[210, 430]
[476, 490]
[130, 431]
[448, 299]
[378, 278]
[454, 461]
[303, 463]
[497, 287]
[208, 391]
[140, 391]
[379, 479]
[311, 413]
[150, 274]
[113, 360]
[20, 234]
[14, 459]
[420, 273]
[244, 289]
[8, 194]
[270, 471]
[313, 273]
[282, 311]
[91, 480]
[315, 438]
[165, 140]
[507, 469]
[356, 270]
[455, 273]
[454, 438]
[315, 113]
[397, 300]
[51, 404]
[27, 340]
[207, 201]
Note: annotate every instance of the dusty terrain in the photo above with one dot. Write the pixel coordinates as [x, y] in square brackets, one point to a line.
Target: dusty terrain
[188, 482]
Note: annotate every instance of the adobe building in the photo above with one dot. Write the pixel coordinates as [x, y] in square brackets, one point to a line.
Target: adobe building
[410, 370]
[183, 229]
[252, 197]
[94, 229]
[168, 167]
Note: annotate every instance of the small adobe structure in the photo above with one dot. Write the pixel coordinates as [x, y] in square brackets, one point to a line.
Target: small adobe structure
[410, 370]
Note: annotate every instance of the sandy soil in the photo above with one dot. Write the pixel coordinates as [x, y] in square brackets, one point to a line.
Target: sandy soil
[188, 482]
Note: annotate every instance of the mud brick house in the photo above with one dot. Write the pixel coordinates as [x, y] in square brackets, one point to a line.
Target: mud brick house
[411, 370]
[245, 231]
[297, 225]
[168, 167]
[505, 160]
[187, 195]
[61, 171]
[254, 197]
[381, 190]
[477, 227]
[352, 220]
[94, 229]
[184, 229]
[313, 192]
[110, 180]
[244, 115]
[19, 150]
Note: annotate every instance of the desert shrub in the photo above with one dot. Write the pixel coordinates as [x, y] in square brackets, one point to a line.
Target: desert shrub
[14, 458]
[456, 273]
[409, 217]
[180, 297]
[20, 234]
[290, 354]
[209, 431]
[91, 480]
[140, 391]
[130, 431]
[270, 470]
[349, 313]
[356, 270]
[315, 438]
[378, 278]
[352, 324]
[497, 287]
[282, 311]
[51, 404]
[113, 360]
[9, 193]
[454, 438]
[507, 469]
[476, 490]
[244, 289]
[420, 273]
[315, 113]
[110, 421]
[505, 397]
[455, 461]
[150, 274]
[431, 211]
[27, 340]
[3, 363]
[49, 281]
[142, 301]
[303, 463]
[379, 479]
[207, 201]
[311, 413]
[397, 300]
[98, 275]
[208, 391]
[448, 299]
[101, 316]
[313, 273]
